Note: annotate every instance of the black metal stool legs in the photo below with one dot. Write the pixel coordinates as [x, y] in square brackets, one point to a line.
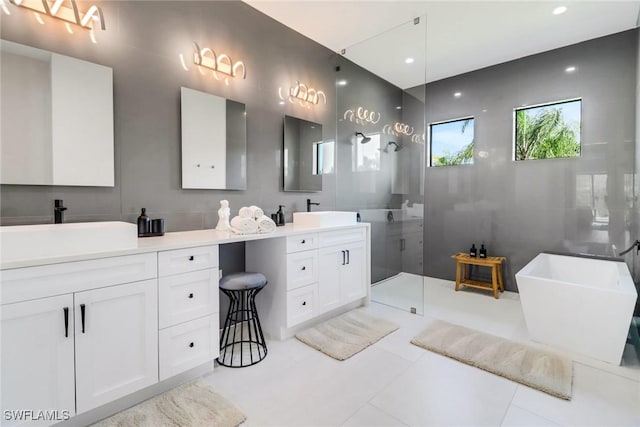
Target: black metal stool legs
[242, 342]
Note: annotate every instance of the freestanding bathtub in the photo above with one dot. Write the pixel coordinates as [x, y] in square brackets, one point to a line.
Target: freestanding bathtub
[580, 304]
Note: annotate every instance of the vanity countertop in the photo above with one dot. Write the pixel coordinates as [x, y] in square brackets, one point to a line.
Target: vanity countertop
[176, 240]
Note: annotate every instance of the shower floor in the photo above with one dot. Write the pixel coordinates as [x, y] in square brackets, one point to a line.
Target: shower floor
[404, 291]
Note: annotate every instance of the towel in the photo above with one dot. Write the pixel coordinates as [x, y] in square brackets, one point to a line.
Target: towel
[266, 225]
[241, 225]
[256, 212]
[245, 212]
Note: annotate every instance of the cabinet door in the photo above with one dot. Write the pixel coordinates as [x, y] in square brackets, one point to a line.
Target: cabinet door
[37, 356]
[330, 262]
[117, 343]
[352, 274]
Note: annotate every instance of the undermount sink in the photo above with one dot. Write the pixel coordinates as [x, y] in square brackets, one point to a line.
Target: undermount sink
[22, 242]
[324, 218]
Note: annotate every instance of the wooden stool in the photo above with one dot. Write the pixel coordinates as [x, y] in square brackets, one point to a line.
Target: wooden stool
[494, 262]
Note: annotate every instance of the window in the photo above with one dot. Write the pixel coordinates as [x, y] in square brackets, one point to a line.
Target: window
[367, 156]
[324, 157]
[452, 142]
[548, 131]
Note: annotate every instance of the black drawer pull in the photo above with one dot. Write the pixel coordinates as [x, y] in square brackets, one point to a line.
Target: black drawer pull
[191, 258]
[66, 322]
[303, 241]
[304, 303]
[82, 310]
[191, 344]
[304, 268]
[190, 295]
[348, 257]
[343, 257]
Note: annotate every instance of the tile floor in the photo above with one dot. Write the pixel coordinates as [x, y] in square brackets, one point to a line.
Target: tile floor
[393, 383]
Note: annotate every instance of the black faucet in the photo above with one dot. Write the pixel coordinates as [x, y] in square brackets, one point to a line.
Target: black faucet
[58, 212]
[309, 205]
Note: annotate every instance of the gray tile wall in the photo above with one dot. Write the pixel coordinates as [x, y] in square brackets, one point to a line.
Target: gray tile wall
[521, 209]
[142, 43]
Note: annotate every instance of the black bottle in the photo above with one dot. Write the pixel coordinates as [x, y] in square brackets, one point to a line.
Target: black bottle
[473, 252]
[483, 251]
[280, 216]
[144, 223]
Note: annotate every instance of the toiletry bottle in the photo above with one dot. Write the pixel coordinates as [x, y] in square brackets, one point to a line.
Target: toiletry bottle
[280, 215]
[144, 223]
[483, 251]
[473, 252]
[359, 219]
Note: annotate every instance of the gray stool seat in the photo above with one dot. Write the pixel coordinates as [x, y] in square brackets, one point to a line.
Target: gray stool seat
[242, 281]
[242, 342]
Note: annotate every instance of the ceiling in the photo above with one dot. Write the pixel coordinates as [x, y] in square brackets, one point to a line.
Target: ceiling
[461, 36]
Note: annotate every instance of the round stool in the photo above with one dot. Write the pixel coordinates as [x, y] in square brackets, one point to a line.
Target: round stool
[242, 342]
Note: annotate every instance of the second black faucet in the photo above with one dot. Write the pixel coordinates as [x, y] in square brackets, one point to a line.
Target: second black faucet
[309, 203]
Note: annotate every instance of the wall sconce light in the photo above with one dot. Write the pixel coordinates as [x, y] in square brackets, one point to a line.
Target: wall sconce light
[362, 116]
[65, 10]
[206, 58]
[304, 94]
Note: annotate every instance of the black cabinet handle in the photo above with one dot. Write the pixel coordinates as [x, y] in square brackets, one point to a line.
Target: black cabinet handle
[82, 310]
[303, 241]
[190, 295]
[191, 258]
[304, 268]
[348, 257]
[304, 303]
[66, 322]
[191, 344]
[343, 257]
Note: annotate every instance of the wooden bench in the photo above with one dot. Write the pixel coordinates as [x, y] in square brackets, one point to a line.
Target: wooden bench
[493, 262]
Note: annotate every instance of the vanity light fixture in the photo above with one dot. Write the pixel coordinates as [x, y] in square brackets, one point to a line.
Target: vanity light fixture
[559, 10]
[362, 116]
[65, 10]
[304, 94]
[206, 59]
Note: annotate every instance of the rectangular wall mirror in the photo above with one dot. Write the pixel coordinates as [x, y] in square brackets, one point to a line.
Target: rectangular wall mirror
[305, 155]
[214, 142]
[57, 119]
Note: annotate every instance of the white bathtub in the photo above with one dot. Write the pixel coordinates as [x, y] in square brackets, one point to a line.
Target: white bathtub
[579, 304]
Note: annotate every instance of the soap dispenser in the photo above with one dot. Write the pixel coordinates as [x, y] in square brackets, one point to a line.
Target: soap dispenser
[280, 216]
[473, 252]
[144, 223]
[483, 251]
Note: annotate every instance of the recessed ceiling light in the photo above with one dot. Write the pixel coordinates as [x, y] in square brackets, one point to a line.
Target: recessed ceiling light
[409, 60]
[570, 69]
[457, 94]
[281, 102]
[399, 107]
[559, 10]
[342, 82]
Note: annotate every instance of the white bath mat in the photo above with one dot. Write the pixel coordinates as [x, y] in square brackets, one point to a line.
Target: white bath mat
[347, 334]
[535, 368]
[191, 405]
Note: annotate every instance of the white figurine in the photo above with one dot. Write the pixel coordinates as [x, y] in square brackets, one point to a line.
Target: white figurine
[223, 216]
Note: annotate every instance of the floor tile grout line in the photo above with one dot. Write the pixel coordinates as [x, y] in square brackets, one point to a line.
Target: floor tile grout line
[535, 413]
[515, 390]
[635, 380]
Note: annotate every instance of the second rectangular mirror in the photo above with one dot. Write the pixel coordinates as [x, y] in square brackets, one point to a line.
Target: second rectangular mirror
[303, 155]
[214, 142]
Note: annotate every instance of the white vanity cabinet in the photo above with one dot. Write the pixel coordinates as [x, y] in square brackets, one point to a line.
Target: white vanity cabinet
[37, 366]
[188, 302]
[53, 357]
[308, 275]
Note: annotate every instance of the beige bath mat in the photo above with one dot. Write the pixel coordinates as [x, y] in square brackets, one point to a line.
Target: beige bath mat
[347, 334]
[535, 368]
[191, 405]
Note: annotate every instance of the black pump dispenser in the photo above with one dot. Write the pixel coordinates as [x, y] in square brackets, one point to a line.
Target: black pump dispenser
[483, 251]
[144, 223]
[280, 216]
[473, 252]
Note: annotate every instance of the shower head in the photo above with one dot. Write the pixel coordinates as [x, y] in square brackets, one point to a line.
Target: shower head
[396, 148]
[365, 139]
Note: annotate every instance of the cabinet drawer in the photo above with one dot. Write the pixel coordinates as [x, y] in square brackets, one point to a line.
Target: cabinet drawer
[302, 269]
[185, 260]
[187, 296]
[302, 242]
[28, 283]
[333, 238]
[301, 304]
[188, 345]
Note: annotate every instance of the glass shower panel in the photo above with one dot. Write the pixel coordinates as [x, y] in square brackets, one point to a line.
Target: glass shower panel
[380, 155]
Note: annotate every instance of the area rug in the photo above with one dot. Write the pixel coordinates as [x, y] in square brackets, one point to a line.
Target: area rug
[191, 405]
[347, 334]
[535, 368]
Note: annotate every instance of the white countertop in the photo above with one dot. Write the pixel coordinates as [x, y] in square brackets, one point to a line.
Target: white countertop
[175, 240]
